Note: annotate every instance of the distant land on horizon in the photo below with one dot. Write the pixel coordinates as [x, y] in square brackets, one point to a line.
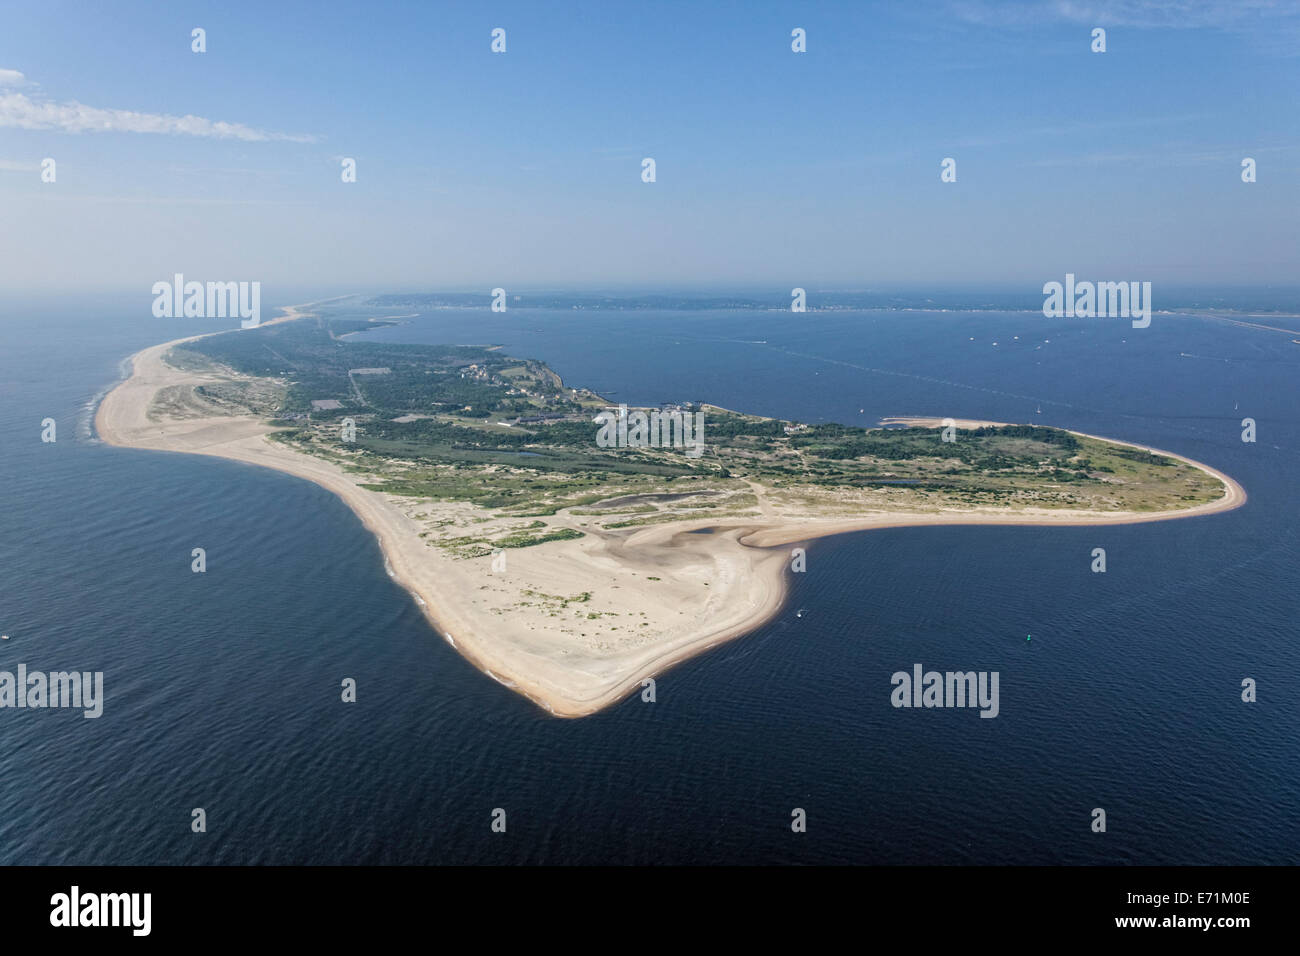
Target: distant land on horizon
[1276, 301]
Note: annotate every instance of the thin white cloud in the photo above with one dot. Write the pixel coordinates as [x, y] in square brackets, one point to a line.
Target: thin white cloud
[16, 166]
[170, 200]
[997, 138]
[1151, 14]
[21, 111]
[1165, 14]
[1170, 156]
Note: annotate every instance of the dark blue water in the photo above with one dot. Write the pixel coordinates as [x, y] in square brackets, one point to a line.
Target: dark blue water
[223, 688]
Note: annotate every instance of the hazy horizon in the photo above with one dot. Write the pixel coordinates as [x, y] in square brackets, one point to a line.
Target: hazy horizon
[774, 169]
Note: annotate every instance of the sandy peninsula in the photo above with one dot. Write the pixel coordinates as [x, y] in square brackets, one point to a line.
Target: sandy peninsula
[660, 593]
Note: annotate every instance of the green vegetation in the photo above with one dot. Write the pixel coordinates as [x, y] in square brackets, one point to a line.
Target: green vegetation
[528, 540]
[472, 425]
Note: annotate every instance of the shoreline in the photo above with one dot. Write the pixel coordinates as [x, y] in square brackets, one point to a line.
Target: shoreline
[743, 556]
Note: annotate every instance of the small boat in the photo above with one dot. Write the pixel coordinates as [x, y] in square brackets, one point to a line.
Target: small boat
[799, 613]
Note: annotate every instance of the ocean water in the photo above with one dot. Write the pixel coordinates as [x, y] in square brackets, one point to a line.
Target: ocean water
[222, 689]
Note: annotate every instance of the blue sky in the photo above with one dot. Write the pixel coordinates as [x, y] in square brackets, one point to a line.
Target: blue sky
[522, 169]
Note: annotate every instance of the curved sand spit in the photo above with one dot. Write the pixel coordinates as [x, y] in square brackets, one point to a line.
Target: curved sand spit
[661, 594]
